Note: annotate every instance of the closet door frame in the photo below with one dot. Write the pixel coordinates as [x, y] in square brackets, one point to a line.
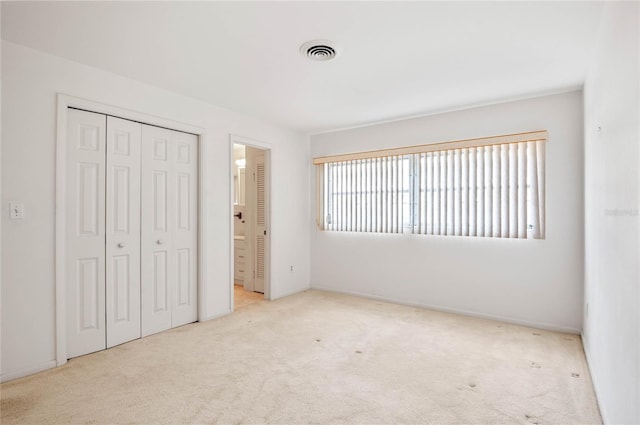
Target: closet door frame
[64, 102]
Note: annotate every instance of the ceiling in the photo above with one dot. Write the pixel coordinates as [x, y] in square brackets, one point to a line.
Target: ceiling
[397, 59]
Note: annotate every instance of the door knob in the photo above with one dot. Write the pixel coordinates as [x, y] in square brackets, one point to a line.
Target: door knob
[160, 242]
[120, 245]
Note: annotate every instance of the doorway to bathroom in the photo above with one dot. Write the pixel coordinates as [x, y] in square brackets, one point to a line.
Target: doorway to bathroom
[250, 222]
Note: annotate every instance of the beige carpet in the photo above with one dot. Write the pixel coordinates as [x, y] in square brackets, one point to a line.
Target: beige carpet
[320, 358]
[243, 298]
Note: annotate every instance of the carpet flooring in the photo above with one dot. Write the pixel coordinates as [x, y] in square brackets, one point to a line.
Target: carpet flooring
[319, 358]
[243, 298]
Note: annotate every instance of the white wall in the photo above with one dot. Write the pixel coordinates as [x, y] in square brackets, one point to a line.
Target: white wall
[612, 218]
[536, 282]
[31, 80]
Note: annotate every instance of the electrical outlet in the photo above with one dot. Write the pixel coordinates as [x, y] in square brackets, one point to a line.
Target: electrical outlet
[291, 268]
[16, 210]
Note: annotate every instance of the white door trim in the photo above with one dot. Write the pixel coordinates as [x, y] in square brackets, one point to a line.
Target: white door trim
[63, 103]
[233, 138]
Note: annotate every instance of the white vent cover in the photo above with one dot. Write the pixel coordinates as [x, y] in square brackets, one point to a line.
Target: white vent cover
[319, 50]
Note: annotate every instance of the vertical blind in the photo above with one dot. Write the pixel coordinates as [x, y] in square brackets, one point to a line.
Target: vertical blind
[368, 195]
[490, 190]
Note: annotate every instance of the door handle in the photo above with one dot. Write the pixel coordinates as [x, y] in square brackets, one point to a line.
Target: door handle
[159, 241]
[120, 245]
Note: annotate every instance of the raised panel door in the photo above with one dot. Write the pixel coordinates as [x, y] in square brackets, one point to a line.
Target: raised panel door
[157, 257]
[85, 232]
[185, 228]
[123, 231]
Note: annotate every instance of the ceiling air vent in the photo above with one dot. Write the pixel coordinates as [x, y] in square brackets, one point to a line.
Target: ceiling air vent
[319, 50]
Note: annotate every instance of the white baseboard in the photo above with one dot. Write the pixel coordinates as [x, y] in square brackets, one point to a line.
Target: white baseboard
[215, 316]
[594, 380]
[288, 293]
[511, 320]
[5, 377]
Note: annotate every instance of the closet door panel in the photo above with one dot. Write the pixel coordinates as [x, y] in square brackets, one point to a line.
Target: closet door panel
[85, 232]
[157, 258]
[185, 222]
[123, 231]
[159, 280]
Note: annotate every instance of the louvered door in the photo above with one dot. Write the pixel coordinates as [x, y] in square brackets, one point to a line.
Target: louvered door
[261, 223]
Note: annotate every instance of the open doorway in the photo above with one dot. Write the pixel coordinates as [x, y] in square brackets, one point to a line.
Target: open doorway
[250, 223]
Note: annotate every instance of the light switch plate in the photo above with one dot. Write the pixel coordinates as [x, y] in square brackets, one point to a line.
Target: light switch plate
[16, 210]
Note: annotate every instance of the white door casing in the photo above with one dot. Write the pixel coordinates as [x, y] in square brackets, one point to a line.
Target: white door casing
[122, 231]
[77, 261]
[85, 235]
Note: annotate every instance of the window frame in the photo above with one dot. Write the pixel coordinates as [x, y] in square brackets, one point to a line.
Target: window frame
[414, 155]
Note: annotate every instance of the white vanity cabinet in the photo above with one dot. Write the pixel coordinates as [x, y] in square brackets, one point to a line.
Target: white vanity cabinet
[239, 259]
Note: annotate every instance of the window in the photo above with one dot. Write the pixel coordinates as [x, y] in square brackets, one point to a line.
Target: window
[489, 187]
[368, 195]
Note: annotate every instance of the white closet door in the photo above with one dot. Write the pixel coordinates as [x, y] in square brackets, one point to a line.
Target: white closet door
[85, 232]
[169, 229]
[123, 231]
[131, 236]
[157, 257]
[185, 232]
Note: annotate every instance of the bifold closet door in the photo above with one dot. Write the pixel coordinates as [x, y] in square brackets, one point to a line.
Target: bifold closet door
[169, 229]
[123, 231]
[85, 232]
[156, 253]
[185, 230]
[131, 230]
[102, 232]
